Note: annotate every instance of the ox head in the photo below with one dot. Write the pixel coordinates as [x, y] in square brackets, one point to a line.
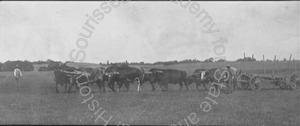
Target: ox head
[112, 77]
[152, 76]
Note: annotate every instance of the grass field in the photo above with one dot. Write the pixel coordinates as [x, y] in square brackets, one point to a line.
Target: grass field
[36, 102]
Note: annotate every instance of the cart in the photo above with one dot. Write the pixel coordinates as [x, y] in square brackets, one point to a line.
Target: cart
[254, 81]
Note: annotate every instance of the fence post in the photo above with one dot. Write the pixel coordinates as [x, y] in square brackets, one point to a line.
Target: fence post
[273, 65]
[295, 64]
[289, 62]
[264, 64]
[277, 62]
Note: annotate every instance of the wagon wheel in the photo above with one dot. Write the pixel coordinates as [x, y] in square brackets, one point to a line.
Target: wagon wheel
[255, 82]
[294, 80]
[282, 85]
[243, 81]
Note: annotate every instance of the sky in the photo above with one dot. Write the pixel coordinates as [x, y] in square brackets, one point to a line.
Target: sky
[148, 31]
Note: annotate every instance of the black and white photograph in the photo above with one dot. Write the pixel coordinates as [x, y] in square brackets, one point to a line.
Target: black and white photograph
[150, 63]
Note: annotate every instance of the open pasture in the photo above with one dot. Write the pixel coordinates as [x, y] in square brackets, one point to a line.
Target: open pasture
[36, 102]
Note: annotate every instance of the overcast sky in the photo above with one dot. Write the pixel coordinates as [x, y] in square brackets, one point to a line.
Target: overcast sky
[148, 31]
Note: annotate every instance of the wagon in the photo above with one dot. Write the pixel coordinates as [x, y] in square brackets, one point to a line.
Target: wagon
[254, 81]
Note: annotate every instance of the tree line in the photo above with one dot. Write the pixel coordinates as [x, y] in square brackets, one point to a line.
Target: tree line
[52, 65]
[11, 65]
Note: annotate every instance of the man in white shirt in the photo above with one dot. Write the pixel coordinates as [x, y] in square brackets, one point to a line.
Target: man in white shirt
[18, 75]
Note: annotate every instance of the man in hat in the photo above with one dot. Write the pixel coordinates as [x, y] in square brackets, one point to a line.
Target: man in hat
[18, 75]
[232, 70]
[233, 73]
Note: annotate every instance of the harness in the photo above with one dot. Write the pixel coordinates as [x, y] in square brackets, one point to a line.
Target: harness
[76, 74]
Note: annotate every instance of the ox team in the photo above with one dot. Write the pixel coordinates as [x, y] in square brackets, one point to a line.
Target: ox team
[123, 74]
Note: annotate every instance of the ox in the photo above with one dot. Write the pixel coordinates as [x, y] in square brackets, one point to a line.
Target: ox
[222, 75]
[61, 79]
[165, 76]
[152, 77]
[60, 76]
[89, 76]
[124, 75]
[198, 77]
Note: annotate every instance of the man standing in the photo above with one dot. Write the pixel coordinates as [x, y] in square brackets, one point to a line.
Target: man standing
[233, 73]
[232, 70]
[18, 75]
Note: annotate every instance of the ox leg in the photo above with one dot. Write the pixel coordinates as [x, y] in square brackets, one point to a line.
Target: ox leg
[197, 85]
[66, 87]
[56, 88]
[112, 86]
[204, 85]
[152, 84]
[166, 85]
[71, 85]
[127, 86]
[120, 84]
[101, 84]
[181, 85]
[230, 87]
[77, 87]
[70, 88]
[161, 86]
[216, 86]
[186, 85]
[109, 85]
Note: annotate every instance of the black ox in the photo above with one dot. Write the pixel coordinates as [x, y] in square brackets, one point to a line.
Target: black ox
[218, 77]
[199, 77]
[165, 76]
[60, 77]
[123, 75]
[72, 76]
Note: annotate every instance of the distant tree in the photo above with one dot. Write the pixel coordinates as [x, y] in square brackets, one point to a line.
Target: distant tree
[53, 65]
[39, 62]
[124, 65]
[1, 66]
[246, 59]
[23, 65]
[170, 62]
[221, 60]
[209, 60]
[70, 62]
[49, 60]
[158, 63]
[268, 60]
[284, 59]
[43, 68]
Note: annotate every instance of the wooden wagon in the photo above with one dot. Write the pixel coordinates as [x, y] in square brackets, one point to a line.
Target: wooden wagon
[254, 81]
